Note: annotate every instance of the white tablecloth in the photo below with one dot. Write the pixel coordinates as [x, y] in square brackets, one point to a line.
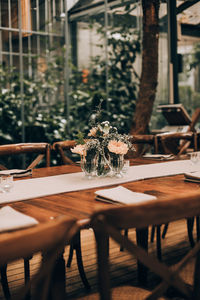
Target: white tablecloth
[38, 187]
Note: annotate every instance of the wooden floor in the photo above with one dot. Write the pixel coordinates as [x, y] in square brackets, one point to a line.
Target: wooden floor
[123, 267]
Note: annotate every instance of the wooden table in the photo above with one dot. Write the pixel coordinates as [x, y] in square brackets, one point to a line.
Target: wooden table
[81, 204]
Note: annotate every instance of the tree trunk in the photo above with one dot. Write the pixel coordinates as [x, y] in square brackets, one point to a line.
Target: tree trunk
[148, 80]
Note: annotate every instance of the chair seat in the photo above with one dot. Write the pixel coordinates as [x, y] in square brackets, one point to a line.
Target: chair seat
[126, 292]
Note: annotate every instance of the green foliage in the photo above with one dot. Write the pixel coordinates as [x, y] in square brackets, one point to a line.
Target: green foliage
[45, 116]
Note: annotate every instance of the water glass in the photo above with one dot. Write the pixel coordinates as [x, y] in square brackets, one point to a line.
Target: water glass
[6, 183]
[195, 160]
[117, 163]
[126, 166]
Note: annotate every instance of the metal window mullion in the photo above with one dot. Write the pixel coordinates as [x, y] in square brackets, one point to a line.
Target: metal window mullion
[10, 34]
[53, 11]
[106, 54]
[49, 22]
[46, 28]
[30, 31]
[61, 6]
[17, 54]
[1, 41]
[30, 71]
[37, 29]
[21, 71]
[29, 43]
[66, 69]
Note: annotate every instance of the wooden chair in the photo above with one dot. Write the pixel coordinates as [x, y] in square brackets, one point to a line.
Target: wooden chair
[62, 148]
[144, 142]
[40, 150]
[108, 224]
[147, 141]
[49, 239]
[175, 143]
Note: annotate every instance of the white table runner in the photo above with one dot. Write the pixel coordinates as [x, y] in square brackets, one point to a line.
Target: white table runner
[39, 187]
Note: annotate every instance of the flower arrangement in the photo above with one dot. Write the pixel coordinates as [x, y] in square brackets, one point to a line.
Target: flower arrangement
[104, 145]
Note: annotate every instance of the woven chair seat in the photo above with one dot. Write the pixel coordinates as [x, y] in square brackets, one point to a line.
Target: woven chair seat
[126, 292]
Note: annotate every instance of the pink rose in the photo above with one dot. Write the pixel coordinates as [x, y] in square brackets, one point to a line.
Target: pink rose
[79, 149]
[117, 147]
[92, 132]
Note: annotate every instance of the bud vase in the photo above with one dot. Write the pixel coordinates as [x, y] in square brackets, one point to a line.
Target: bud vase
[103, 166]
[89, 166]
[117, 163]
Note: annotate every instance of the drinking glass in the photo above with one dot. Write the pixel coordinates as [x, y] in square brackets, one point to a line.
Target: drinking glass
[6, 182]
[195, 160]
[126, 166]
[117, 163]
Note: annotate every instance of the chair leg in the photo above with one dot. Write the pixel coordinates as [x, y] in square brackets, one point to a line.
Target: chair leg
[71, 252]
[125, 234]
[165, 230]
[197, 228]
[158, 242]
[76, 245]
[4, 282]
[190, 225]
[152, 233]
[27, 274]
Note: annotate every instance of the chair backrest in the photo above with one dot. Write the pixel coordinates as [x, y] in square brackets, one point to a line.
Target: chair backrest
[144, 142]
[48, 238]
[62, 148]
[109, 222]
[148, 140]
[177, 143]
[40, 150]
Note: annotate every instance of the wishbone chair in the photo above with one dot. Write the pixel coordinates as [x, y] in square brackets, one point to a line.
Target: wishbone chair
[41, 151]
[108, 223]
[184, 140]
[141, 140]
[61, 148]
[49, 239]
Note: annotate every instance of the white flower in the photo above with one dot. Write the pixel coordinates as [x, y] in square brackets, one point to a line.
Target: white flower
[105, 127]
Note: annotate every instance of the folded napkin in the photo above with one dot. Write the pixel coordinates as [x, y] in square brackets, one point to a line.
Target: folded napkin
[16, 172]
[159, 156]
[192, 176]
[122, 195]
[10, 219]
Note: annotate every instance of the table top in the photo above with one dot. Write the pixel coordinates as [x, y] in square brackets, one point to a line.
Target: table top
[81, 204]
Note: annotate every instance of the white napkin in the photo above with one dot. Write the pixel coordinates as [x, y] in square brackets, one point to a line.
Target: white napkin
[16, 172]
[10, 219]
[192, 176]
[159, 156]
[122, 195]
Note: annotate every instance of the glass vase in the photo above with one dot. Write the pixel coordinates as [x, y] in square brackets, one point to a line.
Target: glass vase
[117, 163]
[89, 166]
[103, 166]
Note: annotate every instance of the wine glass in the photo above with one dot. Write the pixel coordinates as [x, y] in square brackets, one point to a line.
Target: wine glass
[6, 182]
